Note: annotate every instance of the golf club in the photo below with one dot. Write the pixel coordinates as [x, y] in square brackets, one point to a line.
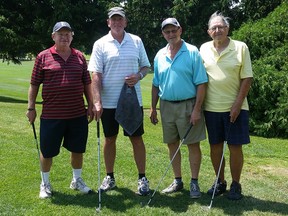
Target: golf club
[170, 164]
[36, 142]
[99, 176]
[220, 165]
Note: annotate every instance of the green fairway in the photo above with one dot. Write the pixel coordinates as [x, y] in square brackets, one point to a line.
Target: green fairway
[264, 179]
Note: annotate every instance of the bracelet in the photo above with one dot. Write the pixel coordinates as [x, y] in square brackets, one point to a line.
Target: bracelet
[141, 75]
[31, 109]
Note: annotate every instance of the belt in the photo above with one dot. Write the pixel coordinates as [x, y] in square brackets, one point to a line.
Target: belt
[180, 101]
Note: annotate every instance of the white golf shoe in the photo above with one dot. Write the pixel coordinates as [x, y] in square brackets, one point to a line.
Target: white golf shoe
[80, 185]
[45, 191]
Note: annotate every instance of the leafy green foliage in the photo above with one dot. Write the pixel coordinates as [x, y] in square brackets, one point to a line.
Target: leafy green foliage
[267, 40]
[26, 25]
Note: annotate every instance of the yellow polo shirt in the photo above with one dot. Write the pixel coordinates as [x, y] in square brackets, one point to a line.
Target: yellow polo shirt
[225, 72]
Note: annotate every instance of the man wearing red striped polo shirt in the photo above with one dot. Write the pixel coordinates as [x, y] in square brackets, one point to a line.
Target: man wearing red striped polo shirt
[62, 71]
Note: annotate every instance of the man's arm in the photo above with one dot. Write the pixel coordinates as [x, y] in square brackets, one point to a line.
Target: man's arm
[154, 101]
[243, 92]
[31, 109]
[96, 94]
[200, 96]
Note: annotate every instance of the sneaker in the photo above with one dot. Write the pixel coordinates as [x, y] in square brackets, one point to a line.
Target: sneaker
[235, 191]
[220, 188]
[80, 185]
[107, 184]
[174, 187]
[194, 190]
[143, 186]
[45, 191]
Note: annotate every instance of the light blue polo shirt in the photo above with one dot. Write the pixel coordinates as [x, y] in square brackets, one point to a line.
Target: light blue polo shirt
[177, 79]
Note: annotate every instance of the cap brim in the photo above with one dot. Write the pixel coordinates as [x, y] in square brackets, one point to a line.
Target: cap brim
[116, 13]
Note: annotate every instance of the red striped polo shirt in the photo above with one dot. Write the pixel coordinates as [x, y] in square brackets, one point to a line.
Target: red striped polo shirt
[62, 83]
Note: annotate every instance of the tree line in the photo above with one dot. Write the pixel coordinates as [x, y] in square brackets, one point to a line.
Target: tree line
[26, 25]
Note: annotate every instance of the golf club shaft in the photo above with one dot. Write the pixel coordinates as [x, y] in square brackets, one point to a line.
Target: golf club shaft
[38, 151]
[187, 132]
[99, 175]
[218, 173]
[220, 165]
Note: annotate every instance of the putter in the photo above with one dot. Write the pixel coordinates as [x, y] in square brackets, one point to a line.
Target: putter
[99, 176]
[36, 142]
[187, 132]
[219, 169]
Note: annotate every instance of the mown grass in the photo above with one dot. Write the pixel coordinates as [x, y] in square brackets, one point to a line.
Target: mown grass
[264, 178]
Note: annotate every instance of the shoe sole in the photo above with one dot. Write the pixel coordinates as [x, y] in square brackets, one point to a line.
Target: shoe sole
[142, 194]
[46, 197]
[234, 199]
[170, 192]
[111, 188]
[195, 197]
[217, 194]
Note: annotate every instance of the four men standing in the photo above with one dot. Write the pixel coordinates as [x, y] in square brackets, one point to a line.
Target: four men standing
[180, 80]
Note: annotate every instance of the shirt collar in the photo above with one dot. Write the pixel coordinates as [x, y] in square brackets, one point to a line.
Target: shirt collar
[53, 50]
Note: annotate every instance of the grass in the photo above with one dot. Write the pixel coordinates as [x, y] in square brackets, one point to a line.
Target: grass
[264, 177]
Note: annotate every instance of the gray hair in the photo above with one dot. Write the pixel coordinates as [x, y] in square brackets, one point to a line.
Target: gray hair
[219, 14]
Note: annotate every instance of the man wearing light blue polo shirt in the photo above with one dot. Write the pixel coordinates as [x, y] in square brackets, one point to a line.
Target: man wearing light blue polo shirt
[180, 82]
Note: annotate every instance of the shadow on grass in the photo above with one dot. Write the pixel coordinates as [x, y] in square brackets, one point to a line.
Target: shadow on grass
[122, 199]
[118, 200]
[249, 203]
[13, 100]
[84, 200]
[179, 203]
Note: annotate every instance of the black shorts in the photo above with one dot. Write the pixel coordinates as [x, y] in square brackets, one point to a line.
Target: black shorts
[111, 126]
[73, 132]
[219, 128]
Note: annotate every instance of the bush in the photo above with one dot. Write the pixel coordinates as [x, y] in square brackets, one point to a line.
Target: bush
[268, 101]
[267, 40]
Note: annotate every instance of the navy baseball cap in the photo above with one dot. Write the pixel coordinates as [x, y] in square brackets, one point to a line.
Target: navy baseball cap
[60, 25]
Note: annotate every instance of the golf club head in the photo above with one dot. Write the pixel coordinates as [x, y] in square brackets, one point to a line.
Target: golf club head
[98, 210]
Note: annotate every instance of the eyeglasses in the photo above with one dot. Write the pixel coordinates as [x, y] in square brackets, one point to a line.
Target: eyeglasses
[171, 31]
[220, 28]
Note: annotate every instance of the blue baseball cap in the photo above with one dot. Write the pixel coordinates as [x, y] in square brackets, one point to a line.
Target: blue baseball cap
[60, 25]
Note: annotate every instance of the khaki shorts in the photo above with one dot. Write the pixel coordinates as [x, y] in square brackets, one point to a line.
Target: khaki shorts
[175, 119]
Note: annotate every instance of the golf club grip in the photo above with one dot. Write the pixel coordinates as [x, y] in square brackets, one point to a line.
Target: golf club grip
[34, 131]
[187, 132]
[98, 129]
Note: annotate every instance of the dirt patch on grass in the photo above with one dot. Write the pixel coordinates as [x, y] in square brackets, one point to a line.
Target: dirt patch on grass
[280, 171]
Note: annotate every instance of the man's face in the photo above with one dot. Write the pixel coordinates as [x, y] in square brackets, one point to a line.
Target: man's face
[117, 23]
[172, 33]
[63, 37]
[218, 30]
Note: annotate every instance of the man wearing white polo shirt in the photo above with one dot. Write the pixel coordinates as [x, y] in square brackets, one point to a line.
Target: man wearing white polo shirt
[117, 58]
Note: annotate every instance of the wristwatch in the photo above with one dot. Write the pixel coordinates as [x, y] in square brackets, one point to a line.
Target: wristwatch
[141, 75]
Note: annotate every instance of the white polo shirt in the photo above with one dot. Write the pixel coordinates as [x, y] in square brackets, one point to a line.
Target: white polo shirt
[116, 61]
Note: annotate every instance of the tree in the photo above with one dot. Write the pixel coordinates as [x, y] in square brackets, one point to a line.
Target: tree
[267, 40]
[26, 25]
